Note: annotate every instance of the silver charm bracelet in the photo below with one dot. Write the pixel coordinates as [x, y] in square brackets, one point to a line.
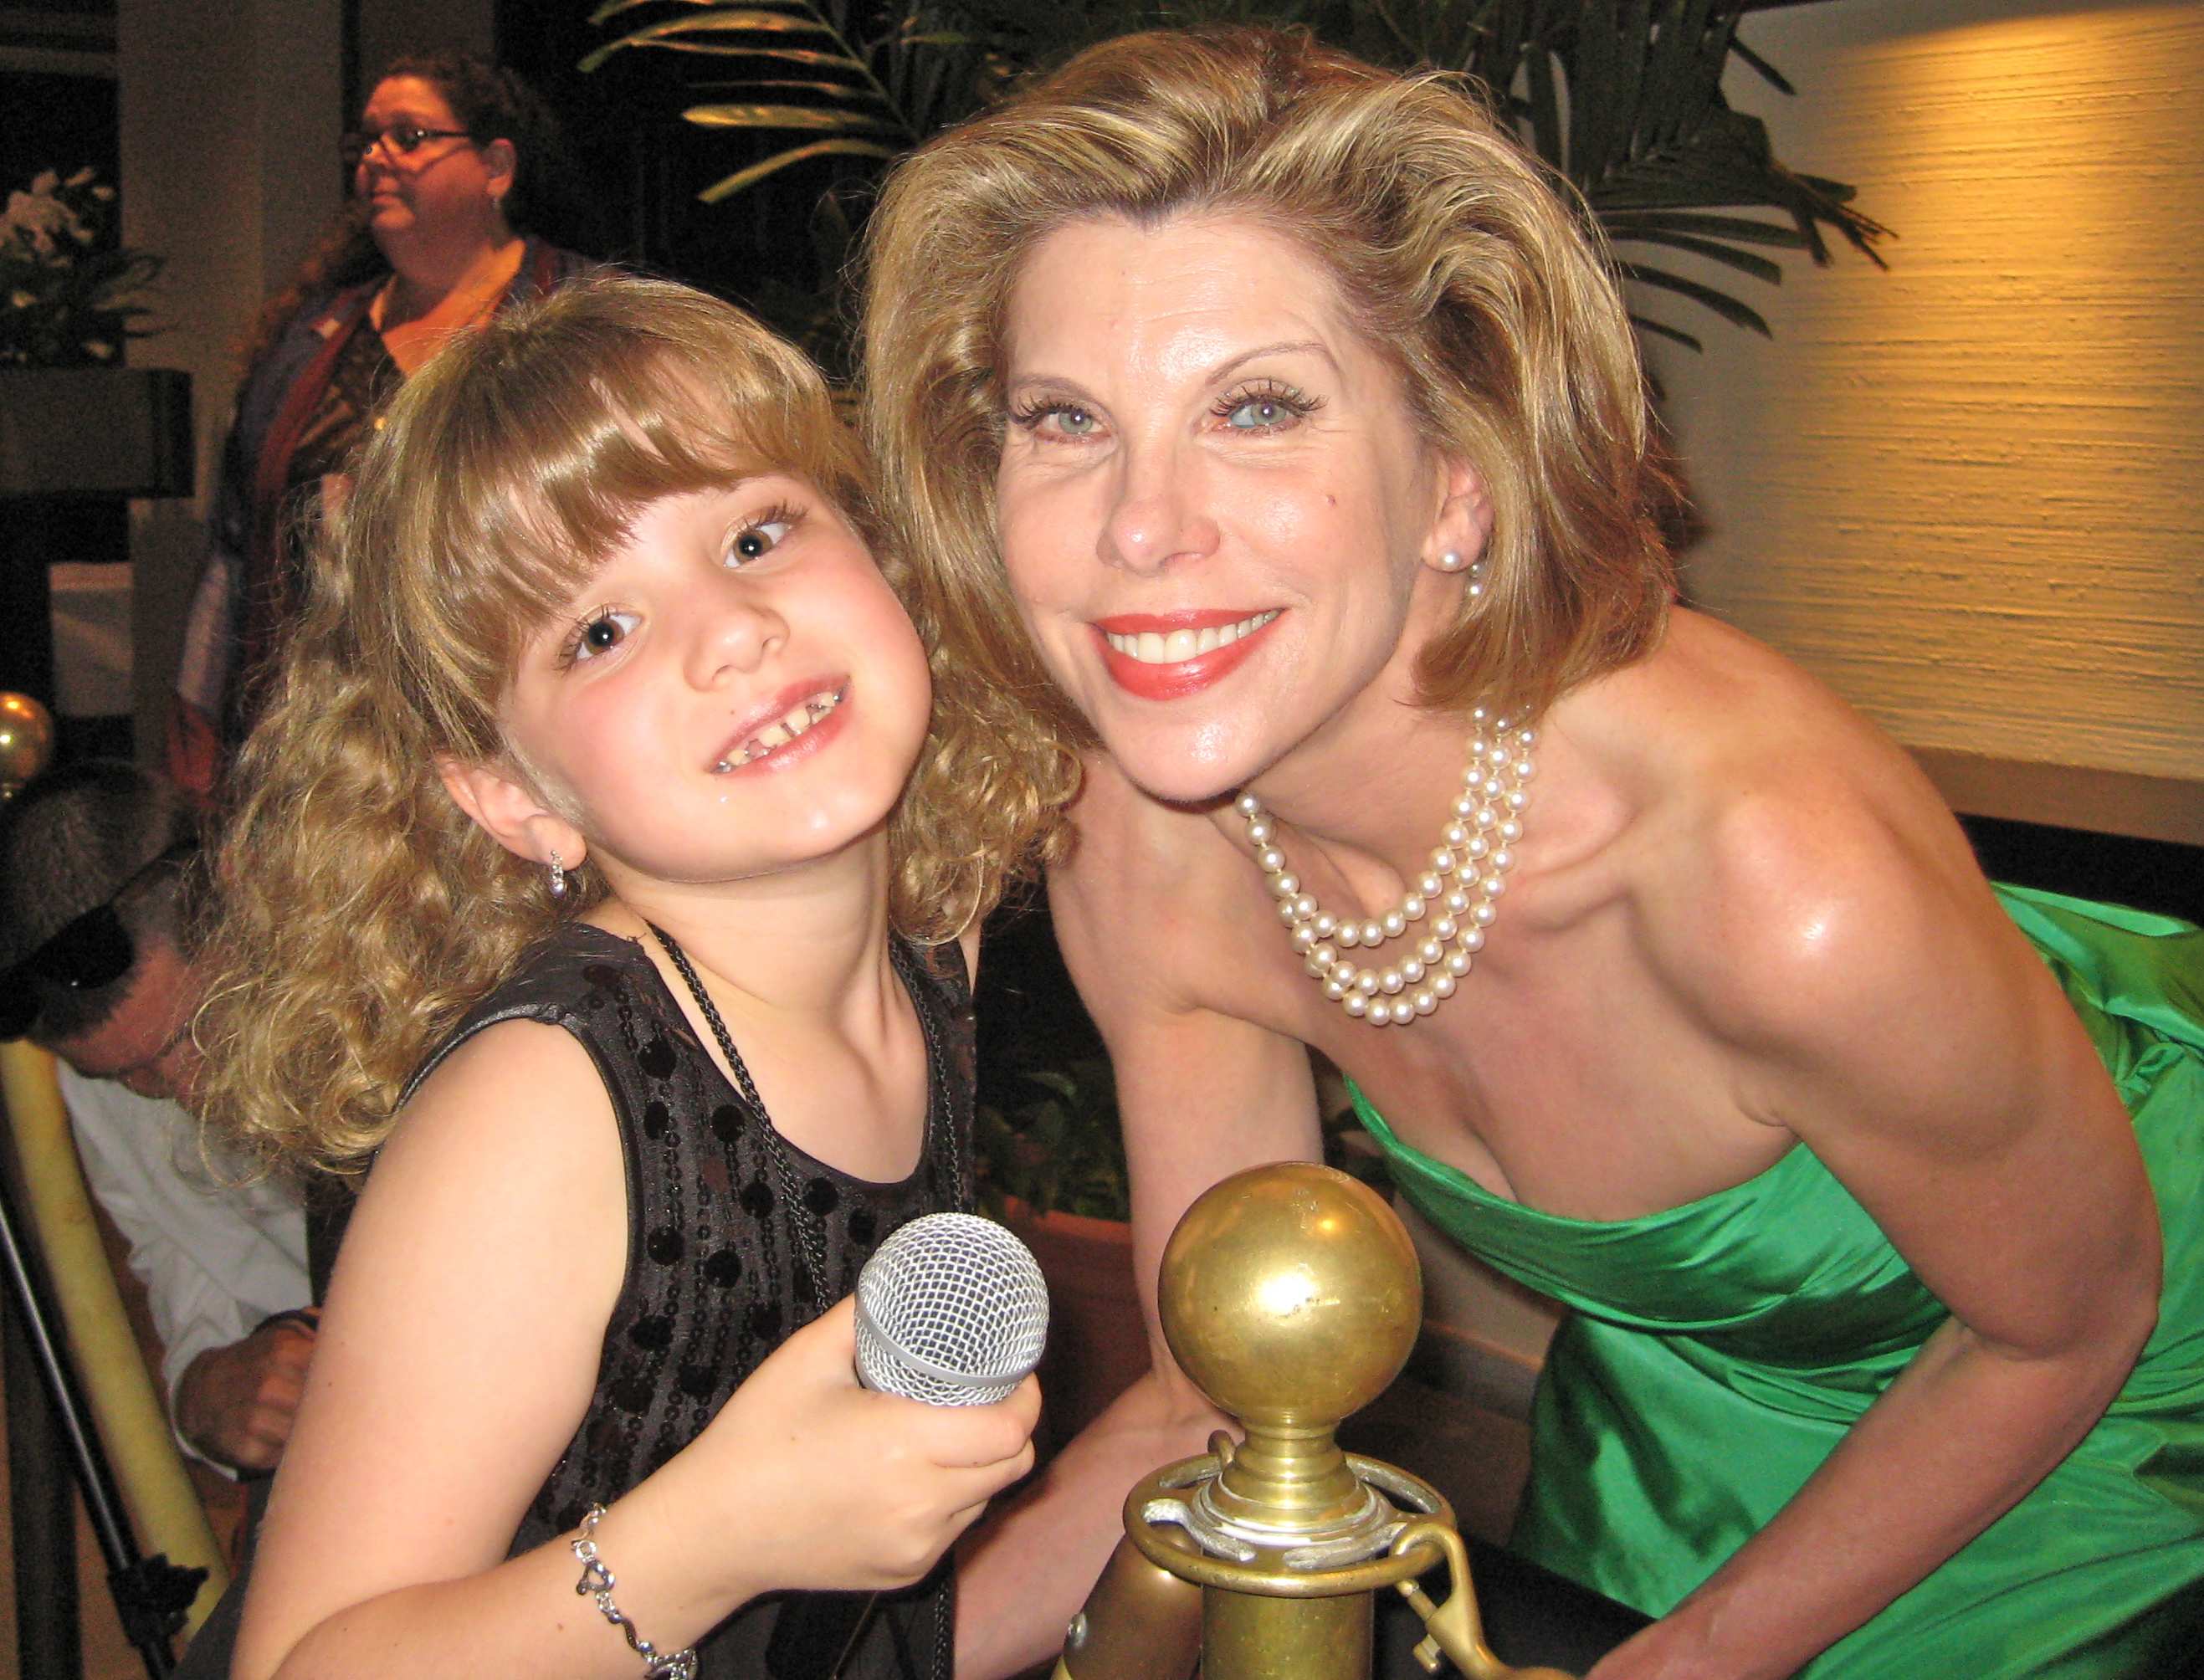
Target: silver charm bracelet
[597, 1582]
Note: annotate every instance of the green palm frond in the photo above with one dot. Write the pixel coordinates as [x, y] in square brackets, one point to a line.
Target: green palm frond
[1731, 310]
[1623, 98]
[727, 30]
[784, 117]
[742, 180]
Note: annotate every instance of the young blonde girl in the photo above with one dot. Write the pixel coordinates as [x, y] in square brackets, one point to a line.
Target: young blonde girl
[577, 880]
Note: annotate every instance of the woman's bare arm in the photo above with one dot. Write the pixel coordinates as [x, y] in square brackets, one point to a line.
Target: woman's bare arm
[1890, 1016]
[1200, 1096]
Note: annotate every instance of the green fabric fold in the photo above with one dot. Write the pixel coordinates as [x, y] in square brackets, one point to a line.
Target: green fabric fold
[1716, 1352]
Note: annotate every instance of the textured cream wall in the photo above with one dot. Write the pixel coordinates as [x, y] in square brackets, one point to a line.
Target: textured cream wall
[1970, 492]
[230, 115]
[229, 125]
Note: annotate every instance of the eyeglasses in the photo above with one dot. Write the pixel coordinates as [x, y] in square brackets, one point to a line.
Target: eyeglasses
[400, 140]
[84, 953]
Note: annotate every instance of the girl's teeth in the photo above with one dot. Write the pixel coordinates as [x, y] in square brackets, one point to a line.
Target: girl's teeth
[1178, 646]
[783, 730]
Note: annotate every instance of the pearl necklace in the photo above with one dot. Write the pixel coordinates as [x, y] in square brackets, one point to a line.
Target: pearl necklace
[1475, 847]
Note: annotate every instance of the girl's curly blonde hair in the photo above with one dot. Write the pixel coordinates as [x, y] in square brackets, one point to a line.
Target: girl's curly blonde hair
[360, 912]
[1454, 251]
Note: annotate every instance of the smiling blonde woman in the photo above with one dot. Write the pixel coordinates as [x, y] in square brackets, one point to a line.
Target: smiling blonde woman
[1269, 434]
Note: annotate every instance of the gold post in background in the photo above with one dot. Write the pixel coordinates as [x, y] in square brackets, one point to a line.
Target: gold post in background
[109, 1368]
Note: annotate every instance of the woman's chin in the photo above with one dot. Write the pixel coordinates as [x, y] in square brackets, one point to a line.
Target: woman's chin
[388, 219]
[1172, 773]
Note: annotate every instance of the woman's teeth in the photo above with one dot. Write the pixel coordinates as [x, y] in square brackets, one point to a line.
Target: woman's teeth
[782, 731]
[1155, 647]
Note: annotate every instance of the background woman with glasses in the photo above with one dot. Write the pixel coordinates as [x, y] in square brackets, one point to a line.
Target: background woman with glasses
[455, 165]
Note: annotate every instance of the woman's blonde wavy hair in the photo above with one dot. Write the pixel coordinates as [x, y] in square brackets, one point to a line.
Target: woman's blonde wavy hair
[361, 912]
[1452, 249]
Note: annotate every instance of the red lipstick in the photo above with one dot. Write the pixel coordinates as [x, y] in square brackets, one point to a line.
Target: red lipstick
[1174, 680]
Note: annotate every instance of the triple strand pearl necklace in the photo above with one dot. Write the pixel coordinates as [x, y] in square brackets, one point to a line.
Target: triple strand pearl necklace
[1476, 848]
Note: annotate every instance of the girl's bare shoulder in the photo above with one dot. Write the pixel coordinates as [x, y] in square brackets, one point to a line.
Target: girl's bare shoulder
[517, 1087]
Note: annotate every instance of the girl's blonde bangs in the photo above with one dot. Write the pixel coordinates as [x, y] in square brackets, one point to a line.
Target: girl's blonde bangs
[520, 457]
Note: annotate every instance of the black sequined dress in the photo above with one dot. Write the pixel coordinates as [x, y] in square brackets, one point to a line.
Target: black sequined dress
[716, 1273]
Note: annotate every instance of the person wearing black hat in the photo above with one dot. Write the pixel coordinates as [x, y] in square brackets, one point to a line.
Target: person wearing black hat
[96, 867]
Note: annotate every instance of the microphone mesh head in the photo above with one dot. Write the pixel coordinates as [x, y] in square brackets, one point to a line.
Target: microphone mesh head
[951, 1310]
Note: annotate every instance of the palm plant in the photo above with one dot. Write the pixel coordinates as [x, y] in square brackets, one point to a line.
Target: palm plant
[1624, 98]
[1621, 98]
[840, 82]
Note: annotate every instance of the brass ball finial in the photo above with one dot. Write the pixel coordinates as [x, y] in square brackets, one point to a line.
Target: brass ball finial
[27, 741]
[1291, 1295]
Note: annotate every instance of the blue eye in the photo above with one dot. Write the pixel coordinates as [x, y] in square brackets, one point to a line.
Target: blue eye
[1054, 417]
[1267, 408]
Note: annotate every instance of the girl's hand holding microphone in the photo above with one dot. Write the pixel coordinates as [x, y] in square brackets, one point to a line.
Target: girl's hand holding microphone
[951, 1313]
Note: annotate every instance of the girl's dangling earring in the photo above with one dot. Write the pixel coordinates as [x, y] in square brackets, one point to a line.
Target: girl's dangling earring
[558, 877]
[1477, 581]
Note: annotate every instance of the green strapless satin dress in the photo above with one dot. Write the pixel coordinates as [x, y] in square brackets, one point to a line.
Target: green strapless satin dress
[1717, 1352]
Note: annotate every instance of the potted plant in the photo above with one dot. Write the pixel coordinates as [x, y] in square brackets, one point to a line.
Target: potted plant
[1623, 97]
[76, 421]
[69, 295]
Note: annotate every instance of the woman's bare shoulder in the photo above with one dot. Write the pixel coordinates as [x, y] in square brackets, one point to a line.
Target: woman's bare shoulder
[1716, 727]
[1779, 839]
[1150, 895]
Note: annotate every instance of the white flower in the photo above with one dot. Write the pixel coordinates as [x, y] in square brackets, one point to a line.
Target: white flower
[40, 217]
[43, 233]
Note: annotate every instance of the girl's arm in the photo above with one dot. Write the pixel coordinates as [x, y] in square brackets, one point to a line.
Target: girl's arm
[459, 1351]
[1904, 1031]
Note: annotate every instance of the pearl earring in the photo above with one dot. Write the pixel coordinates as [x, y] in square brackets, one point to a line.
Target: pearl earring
[558, 877]
[1450, 561]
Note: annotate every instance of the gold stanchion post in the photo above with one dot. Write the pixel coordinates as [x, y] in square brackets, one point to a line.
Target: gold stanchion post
[133, 1425]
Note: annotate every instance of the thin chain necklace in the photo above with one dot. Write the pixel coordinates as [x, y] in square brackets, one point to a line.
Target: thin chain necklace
[810, 1233]
[1476, 848]
[809, 1228]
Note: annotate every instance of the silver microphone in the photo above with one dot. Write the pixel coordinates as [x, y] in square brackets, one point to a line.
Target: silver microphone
[951, 1310]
